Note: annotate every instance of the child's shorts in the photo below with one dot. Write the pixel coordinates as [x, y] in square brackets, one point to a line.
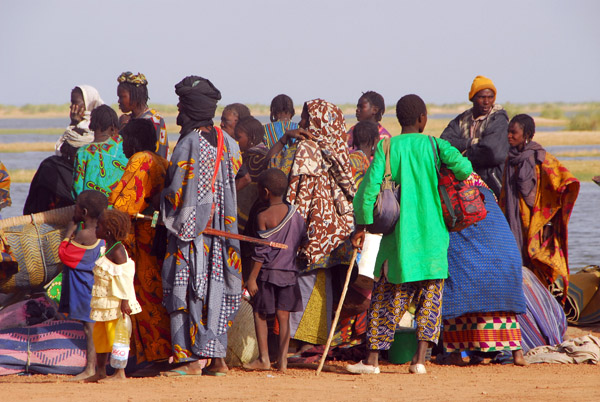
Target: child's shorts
[271, 298]
[104, 335]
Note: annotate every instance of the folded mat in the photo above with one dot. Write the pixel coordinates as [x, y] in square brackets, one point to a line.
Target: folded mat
[582, 305]
[55, 347]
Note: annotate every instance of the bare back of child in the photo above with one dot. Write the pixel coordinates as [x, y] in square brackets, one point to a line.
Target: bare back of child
[277, 291]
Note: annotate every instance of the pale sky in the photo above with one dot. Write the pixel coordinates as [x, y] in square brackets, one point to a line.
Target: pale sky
[252, 50]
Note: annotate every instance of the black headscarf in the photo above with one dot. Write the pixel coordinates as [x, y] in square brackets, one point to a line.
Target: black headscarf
[198, 99]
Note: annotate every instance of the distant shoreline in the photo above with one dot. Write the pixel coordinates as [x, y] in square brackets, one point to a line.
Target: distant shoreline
[47, 111]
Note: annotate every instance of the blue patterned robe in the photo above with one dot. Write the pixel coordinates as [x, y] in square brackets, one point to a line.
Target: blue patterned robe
[201, 274]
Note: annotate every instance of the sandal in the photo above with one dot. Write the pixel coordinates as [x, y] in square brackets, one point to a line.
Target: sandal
[361, 368]
[417, 369]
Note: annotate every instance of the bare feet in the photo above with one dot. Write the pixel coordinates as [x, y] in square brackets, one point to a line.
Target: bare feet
[95, 378]
[84, 375]
[217, 365]
[518, 358]
[258, 365]
[192, 368]
[119, 375]
[282, 366]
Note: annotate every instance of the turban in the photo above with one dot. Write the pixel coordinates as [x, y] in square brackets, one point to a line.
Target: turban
[198, 99]
[479, 83]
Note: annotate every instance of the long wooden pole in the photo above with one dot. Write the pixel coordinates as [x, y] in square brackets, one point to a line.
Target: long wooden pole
[222, 233]
[337, 312]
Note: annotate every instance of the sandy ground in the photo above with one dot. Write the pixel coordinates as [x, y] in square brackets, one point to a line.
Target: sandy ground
[542, 382]
[492, 382]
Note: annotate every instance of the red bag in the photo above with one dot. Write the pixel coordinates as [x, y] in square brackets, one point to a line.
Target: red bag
[462, 205]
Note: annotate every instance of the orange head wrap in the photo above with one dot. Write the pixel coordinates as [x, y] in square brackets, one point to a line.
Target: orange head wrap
[480, 82]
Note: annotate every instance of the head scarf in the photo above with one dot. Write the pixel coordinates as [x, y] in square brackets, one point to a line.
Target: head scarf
[479, 83]
[327, 125]
[91, 99]
[198, 99]
[131, 78]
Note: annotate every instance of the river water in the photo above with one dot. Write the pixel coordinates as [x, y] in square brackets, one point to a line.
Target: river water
[584, 228]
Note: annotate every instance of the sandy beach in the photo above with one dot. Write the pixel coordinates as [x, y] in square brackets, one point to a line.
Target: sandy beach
[491, 382]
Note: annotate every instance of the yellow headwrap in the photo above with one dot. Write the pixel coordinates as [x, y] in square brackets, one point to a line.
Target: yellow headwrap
[131, 78]
[480, 82]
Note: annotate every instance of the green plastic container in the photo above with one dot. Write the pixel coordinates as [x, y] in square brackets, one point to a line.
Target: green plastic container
[404, 346]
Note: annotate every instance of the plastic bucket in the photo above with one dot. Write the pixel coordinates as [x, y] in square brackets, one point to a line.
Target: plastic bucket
[404, 346]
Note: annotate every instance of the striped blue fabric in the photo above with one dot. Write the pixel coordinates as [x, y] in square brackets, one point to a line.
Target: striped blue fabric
[545, 322]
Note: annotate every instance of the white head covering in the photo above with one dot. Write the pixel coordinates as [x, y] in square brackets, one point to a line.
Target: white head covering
[91, 99]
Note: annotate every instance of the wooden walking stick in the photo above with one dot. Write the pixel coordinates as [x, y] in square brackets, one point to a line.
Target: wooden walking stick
[337, 312]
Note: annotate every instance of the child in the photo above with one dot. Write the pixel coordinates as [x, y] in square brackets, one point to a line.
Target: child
[370, 107]
[233, 113]
[79, 252]
[273, 281]
[133, 101]
[282, 111]
[113, 293]
[249, 135]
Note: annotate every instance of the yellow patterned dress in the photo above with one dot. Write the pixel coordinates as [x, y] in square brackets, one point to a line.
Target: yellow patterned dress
[144, 178]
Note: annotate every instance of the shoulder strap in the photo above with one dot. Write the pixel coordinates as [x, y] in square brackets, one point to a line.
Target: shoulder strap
[220, 147]
[436, 154]
[386, 149]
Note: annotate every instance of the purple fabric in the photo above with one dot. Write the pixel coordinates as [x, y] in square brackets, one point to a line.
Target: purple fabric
[271, 298]
[522, 182]
[545, 322]
[292, 232]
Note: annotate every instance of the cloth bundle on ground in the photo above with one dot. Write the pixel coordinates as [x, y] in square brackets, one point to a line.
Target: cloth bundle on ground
[585, 349]
[57, 347]
[242, 346]
[582, 305]
[26, 312]
[34, 241]
[545, 322]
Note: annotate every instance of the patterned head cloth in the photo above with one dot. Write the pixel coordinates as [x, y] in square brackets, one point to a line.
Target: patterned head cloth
[131, 78]
[328, 126]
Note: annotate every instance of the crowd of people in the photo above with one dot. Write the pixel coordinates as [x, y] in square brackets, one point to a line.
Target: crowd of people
[156, 231]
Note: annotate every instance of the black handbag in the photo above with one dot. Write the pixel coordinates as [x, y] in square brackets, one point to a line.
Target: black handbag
[387, 208]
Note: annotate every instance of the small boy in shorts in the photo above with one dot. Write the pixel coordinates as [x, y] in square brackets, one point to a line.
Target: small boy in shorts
[273, 281]
[78, 252]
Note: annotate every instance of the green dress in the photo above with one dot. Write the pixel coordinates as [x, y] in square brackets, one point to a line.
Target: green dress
[99, 166]
[417, 249]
